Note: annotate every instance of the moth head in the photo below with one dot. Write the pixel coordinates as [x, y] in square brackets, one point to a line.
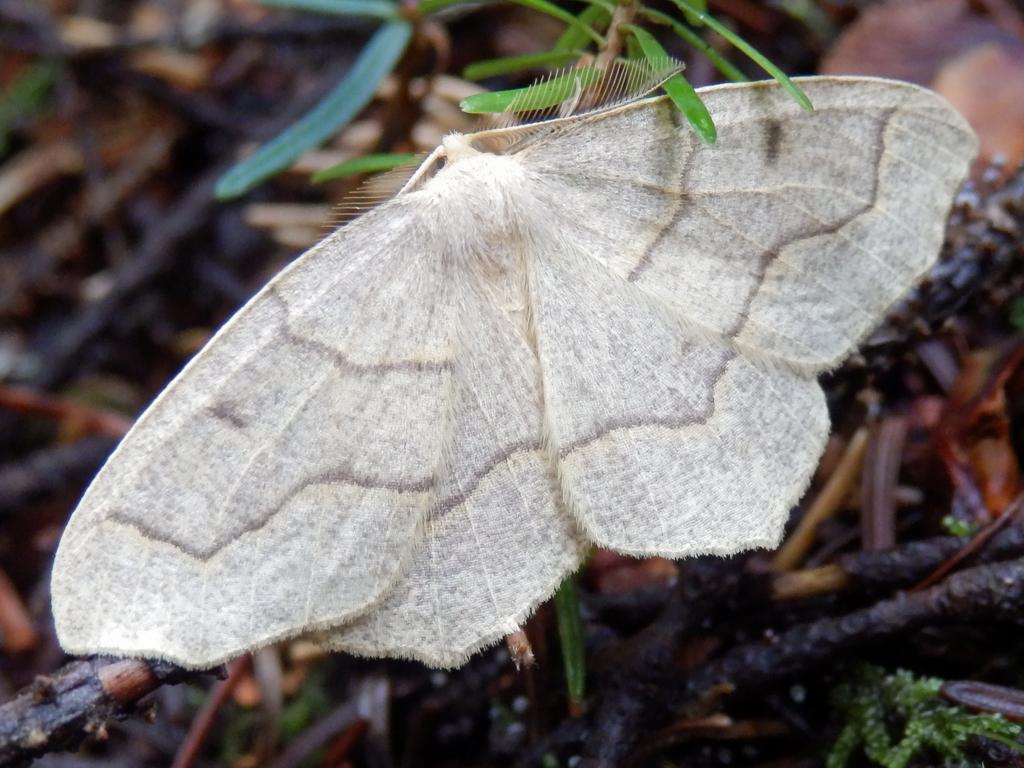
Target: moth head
[458, 147]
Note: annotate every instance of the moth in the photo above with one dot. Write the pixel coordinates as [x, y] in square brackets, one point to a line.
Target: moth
[594, 329]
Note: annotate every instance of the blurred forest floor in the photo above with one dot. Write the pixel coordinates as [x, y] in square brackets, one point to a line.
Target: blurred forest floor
[117, 263]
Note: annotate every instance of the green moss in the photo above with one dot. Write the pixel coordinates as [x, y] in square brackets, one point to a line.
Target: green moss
[893, 718]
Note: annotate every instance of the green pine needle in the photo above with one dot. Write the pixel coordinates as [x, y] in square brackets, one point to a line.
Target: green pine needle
[540, 96]
[718, 61]
[570, 634]
[689, 7]
[365, 164]
[677, 87]
[333, 113]
[377, 9]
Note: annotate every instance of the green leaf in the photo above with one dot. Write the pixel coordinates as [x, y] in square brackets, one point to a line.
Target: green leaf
[331, 114]
[365, 164]
[677, 87]
[540, 96]
[570, 635]
[503, 66]
[719, 62]
[593, 16]
[762, 61]
[378, 9]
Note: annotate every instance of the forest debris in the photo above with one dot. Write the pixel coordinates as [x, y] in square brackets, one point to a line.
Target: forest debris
[1005, 15]
[716, 727]
[630, 672]
[986, 697]
[318, 160]
[612, 573]
[86, 33]
[343, 719]
[895, 568]
[936, 355]
[974, 435]
[267, 669]
[797, 585]
[184, 70]
[59, 469]
[60, 710]
[977, 542]
[911, 41]
[864, 571]
[975, 62]
[986, 593]
[287, 215]
[986, 85]
[293, 225]
[35, 167]
[203, 723]
[882, 462]
[83, 417]
[828, 501]
[344, 744]
[151, 257]
[17, 632]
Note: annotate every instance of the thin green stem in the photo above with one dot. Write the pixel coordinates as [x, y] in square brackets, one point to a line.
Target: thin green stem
[570, 634]
[719, 62]
[752, 53]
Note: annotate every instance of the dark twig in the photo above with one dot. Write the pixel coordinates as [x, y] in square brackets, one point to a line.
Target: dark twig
[876, 571]
[631, 672]
[985, 593]
[58, 711]
[977, 542]
[651, 688]
[857, 572]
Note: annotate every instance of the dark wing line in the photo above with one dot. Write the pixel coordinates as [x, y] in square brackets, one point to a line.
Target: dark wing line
[339, 358]
[670, 422]
[769, 257]
[335, 476]
[453, 500]
[422, 485]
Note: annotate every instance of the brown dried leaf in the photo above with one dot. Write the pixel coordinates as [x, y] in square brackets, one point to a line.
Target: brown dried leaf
[974, 437]
[986, 84]
[911, 41]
